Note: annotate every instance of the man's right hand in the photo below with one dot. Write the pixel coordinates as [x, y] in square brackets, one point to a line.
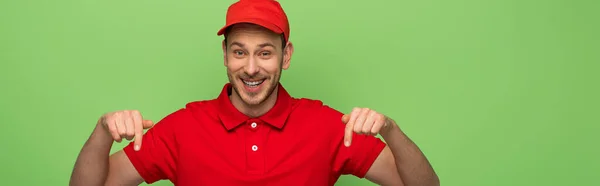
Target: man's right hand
[125, 124]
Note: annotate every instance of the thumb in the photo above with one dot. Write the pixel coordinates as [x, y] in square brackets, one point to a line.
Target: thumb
[346, 118]
[147, 124]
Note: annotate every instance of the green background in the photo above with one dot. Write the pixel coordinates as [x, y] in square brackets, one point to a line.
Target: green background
[497, 92]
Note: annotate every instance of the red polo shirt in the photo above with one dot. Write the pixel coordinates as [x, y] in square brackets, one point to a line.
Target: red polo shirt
[298, 142]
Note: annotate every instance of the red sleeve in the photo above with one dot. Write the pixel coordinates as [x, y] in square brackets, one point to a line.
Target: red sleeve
[356, 159]
[157, 157]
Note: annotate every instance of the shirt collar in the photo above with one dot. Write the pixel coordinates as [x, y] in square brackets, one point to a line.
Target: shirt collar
[231, 117]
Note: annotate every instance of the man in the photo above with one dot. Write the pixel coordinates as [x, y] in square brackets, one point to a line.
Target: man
[254, 132]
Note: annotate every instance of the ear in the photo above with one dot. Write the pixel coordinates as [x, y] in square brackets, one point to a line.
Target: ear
[287, 55]
[224, 46]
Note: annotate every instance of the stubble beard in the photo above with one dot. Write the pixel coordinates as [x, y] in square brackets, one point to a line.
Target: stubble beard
[247, 97]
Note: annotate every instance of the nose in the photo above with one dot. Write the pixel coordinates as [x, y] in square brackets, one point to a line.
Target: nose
[252, 67]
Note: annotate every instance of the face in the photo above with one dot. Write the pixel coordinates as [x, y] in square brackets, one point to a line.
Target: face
[254, 57]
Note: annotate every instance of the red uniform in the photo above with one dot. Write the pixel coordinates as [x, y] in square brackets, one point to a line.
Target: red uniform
[298, 142]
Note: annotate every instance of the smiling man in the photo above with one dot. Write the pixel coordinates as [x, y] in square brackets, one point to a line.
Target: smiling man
[254, 132]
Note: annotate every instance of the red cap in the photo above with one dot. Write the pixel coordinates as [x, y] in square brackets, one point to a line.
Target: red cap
[266, 13]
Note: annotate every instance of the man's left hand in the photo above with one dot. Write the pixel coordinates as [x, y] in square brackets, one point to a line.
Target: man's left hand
[364, 121]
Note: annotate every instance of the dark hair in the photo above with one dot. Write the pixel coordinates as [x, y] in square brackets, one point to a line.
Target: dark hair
[283, 42]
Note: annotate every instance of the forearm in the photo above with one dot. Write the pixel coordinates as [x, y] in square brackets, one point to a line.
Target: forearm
[413, 166]
[91, 167]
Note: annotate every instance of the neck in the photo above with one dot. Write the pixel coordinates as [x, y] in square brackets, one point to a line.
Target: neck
[253, 110]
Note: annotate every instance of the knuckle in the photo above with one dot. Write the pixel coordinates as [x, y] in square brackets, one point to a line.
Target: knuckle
[103, 118]
[108, 116]
[105, 122]
[116, 115]
[372, 112]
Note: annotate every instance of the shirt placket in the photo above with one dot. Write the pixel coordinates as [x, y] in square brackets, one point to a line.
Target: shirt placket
[255, 152]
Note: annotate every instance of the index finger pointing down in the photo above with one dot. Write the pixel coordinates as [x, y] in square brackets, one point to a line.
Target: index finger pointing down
[139, 128]
[350, 127]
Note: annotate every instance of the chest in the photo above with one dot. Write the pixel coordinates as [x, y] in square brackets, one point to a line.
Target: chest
[256, 153]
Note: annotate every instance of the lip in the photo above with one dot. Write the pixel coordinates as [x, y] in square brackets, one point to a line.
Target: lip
[252, 89]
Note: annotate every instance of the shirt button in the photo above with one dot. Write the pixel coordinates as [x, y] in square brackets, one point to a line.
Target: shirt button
[253, 125]
[254, 148]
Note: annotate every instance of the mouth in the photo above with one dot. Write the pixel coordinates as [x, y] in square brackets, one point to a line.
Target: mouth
[253, 83]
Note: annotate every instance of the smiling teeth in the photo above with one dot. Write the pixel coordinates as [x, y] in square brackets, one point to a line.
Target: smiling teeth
[253, 83]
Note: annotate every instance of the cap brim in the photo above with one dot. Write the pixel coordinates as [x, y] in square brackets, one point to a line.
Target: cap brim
[258, 22]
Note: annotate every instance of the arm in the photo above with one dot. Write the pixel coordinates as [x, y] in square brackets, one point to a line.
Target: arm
[383, 171]
[405, 157]
[401, 162]
[94, 166]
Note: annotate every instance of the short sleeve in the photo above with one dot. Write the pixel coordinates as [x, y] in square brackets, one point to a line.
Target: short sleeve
[156, 160]
[357, 159]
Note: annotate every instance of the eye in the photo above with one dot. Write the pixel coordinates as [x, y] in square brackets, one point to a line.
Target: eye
[238, 52]
[265, 53]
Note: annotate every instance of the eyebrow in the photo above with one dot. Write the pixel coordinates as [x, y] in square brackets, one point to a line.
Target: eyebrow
[266, 44]
[260, 45]
[238, 44]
